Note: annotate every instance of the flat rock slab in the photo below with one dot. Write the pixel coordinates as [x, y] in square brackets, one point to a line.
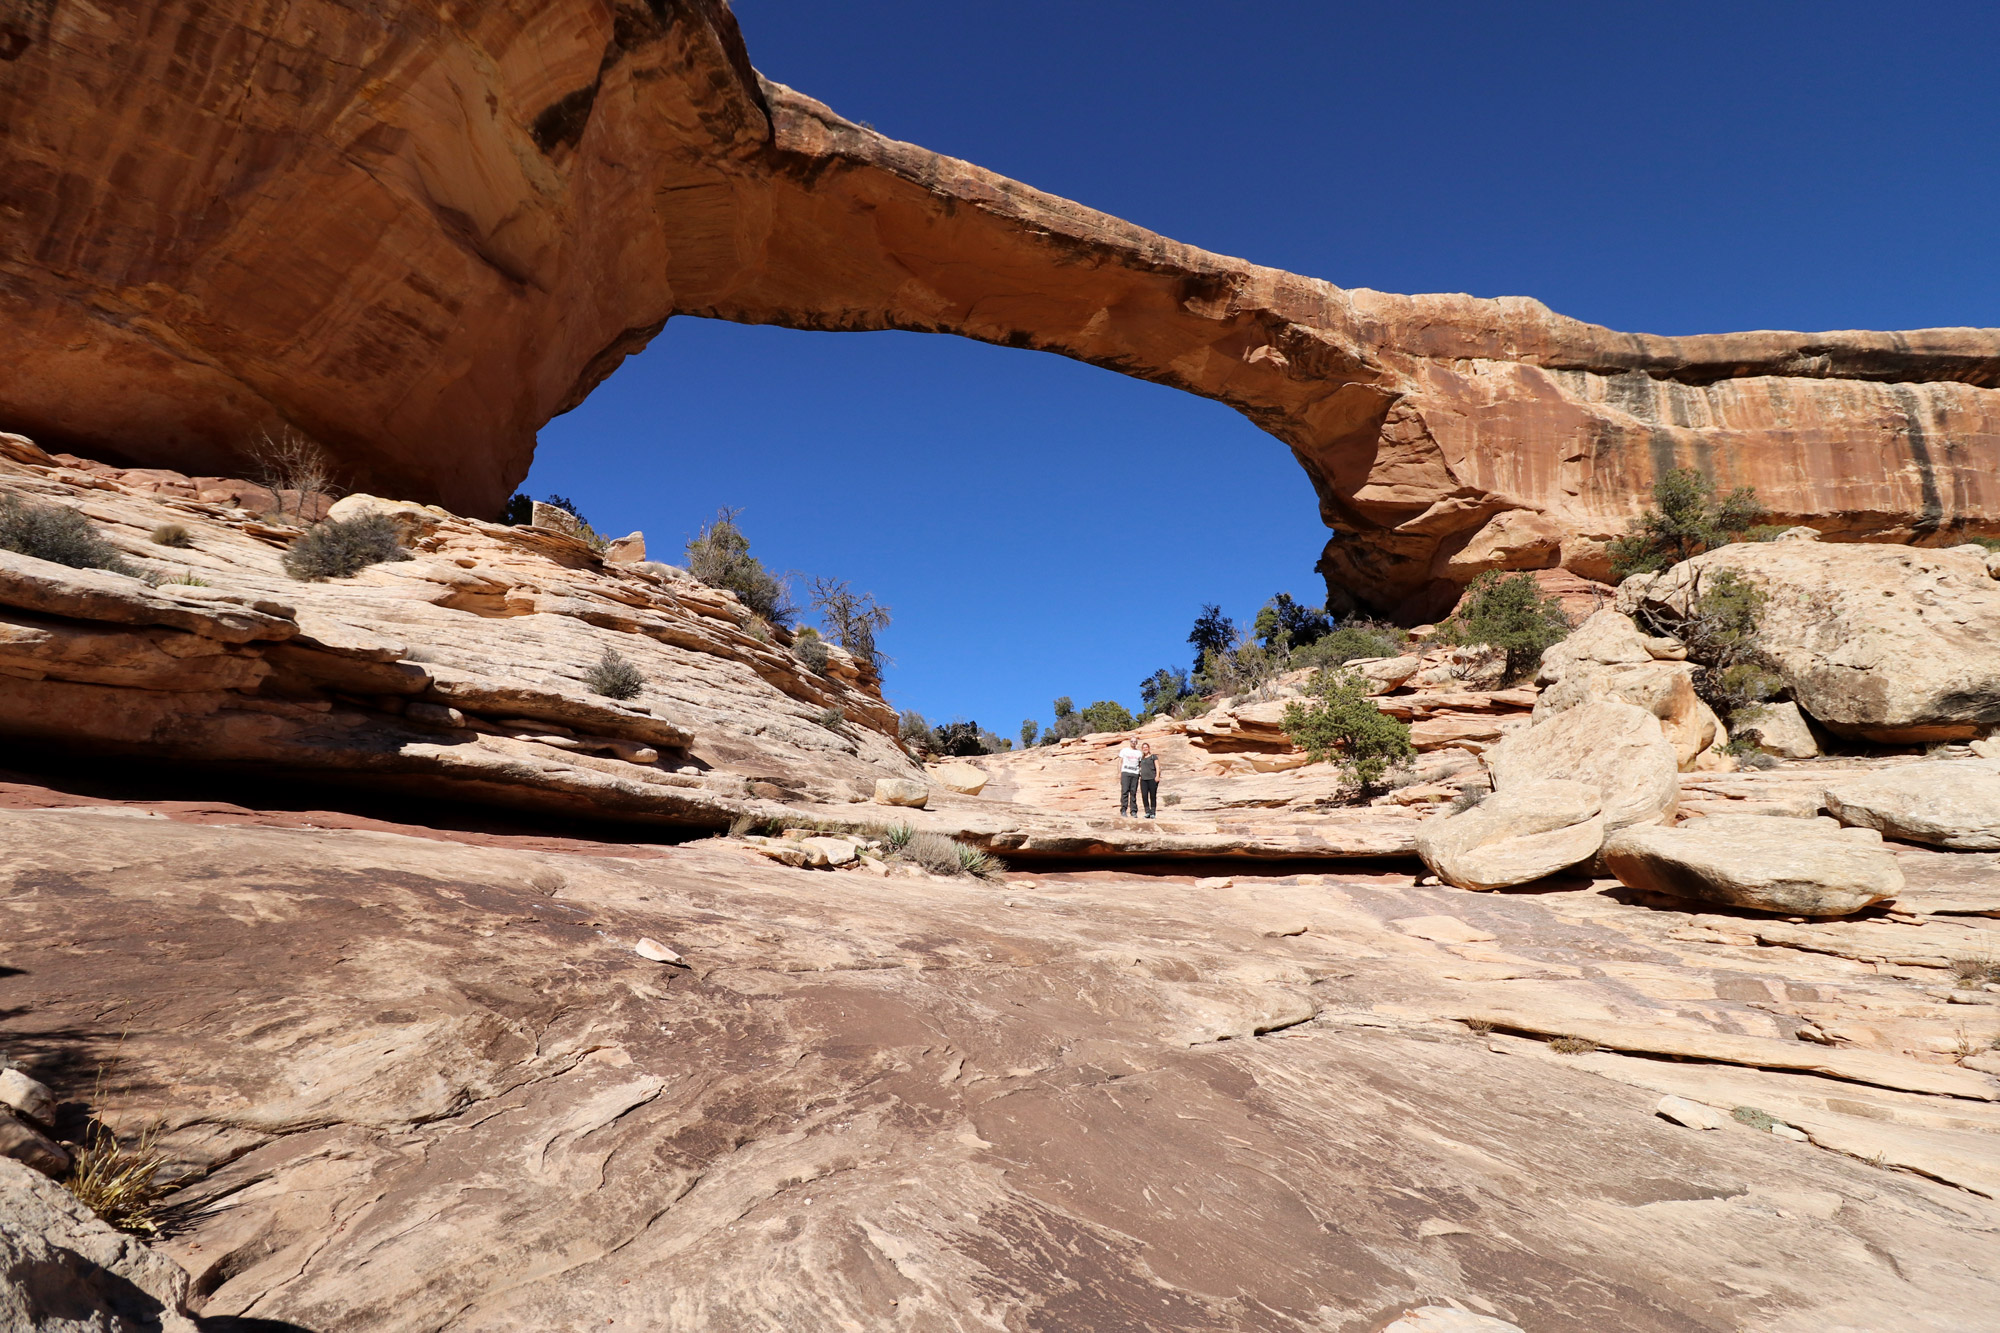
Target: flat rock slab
[1953, 804]
[1770, 865]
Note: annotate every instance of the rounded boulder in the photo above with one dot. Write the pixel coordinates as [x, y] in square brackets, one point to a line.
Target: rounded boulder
[1515, 836]
[1616, 749]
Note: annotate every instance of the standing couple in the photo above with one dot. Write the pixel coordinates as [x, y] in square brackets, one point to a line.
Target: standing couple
[1138, 775]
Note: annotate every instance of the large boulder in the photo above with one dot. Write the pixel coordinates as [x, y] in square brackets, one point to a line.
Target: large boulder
[965, 779]
[1617, 749]
[1515, 836]
[1946, 803]
[1606, 638]
[64, 1271]
[1896, 644]
[1664, 689]
[1771, 864]
[901, 791]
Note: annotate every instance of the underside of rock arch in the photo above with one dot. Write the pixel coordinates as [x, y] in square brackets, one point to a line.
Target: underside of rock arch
[419, 234]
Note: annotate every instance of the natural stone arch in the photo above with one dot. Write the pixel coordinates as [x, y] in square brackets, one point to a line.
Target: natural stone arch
[420, 245]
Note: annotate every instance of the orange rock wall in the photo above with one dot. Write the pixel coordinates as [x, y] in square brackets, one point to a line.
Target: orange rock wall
[419, 233]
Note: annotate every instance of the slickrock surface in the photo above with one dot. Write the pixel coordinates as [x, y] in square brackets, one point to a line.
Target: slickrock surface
[418, 237]
[429, 1085]
[461, 671]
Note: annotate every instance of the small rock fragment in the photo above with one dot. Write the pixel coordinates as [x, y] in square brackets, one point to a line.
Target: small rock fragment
[30, 1098]
[30, 1147]
[648, 947]
[1442, 930]
[1690, 1113]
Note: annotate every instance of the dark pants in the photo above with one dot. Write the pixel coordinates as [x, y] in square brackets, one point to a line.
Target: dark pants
[1128, 793]
[1149, 788]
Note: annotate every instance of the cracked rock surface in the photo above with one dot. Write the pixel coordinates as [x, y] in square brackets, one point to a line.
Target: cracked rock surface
[428, 1083]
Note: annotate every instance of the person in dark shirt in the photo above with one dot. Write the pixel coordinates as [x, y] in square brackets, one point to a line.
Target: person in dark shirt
[1149, 778]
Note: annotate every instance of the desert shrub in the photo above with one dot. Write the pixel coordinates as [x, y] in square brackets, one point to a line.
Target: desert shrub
[1756, 1119]
[1104, 715]
[832, 718]
[1687, 519]
[186, 578]
[810, 649]
[1029, 730]
[915, 732]
[1573, 1046]
[1284, 624]
[946, 856]
[1468, 798]
[1355, 638]
[719, 555]
[614, 677]
[1341, 720]
[340, 548]
[1480, 1025]
[1721, 630]
[121, 1185]
[58, 534]
[1990, 543]
[1509, 612]
[1972, 973]
[548, 882]
[293, 461]
[172, 534]
[1171, 798]
[897, 836]
[960, 739]
[855, 618]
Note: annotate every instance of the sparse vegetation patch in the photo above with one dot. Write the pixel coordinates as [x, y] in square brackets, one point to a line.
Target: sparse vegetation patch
[1341, 722]
[121, 1185]
[340, 548]
[1509, 612]
[614, 677]
[58, 534]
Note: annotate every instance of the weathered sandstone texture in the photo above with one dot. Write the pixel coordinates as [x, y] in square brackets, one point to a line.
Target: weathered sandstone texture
[64, 1271]
[418, 1084]
[1886, 643]
[417, 237]
[1948, 804]
[1769, 865]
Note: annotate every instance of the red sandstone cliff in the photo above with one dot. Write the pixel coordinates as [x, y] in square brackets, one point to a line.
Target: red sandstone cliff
[418, 234]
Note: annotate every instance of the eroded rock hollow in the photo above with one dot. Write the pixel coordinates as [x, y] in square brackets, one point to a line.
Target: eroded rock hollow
[419, 236]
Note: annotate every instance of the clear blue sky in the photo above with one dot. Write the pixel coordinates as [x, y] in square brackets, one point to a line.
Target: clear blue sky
[1041, 527]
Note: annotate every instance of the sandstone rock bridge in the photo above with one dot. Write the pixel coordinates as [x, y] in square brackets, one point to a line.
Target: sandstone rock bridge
[417, 233]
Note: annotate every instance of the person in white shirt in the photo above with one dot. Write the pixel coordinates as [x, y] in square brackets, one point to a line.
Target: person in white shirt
[1128, 778]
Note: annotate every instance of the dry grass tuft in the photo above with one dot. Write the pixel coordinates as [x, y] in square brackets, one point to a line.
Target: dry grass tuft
[122, 1185]
[173, 534]
[1478, 1025]
[1573, 1046]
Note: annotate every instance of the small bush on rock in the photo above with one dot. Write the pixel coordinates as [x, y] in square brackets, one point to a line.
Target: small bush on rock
[914, 731]
[855, 618]
[172, 534]
[810, 649]
[614, 677]
[340, 548]
[1509, 612]
[719, 555]
[1283, 623]
[119, 1184]
[1721, 631]
[1341, 720]
[1356, 638]
[58, 534]
[946, 856]
[1688, 520]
